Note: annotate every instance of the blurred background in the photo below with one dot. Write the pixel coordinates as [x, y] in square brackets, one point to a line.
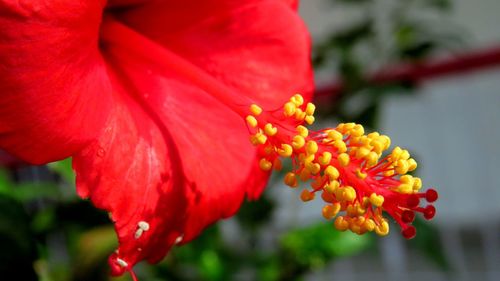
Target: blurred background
[424, 72]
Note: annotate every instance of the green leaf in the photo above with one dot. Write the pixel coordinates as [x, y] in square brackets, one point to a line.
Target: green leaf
[317, 245]
[64, 169]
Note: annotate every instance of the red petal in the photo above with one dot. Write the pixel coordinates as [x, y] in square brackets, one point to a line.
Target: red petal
[175, 156]
[54, 86]
[239, 42]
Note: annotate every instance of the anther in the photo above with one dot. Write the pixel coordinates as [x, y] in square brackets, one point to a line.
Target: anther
[255, 109]
[310, 108]
[303, 131]
[306, 195]
[265, 164]
[309, 119]
[325, 158]
[286, 150]
[311, 147]
[343, 159]
[291, 179]
[376, 200]
[297, 99]
[341, 224]
[270, 130]
[289, 109]
[298, 142]
[251, 121]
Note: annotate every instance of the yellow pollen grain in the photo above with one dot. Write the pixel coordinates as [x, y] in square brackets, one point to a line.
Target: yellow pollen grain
[376, 200]
[408, 179]
[309, 119]
[349, 194]
[303, 131]
[291, 179]
[314, 168]
[405, 155]
[255, 109]
[360, 174]
[369, 225]
[412, 164]
[310, 108]
[286, 150]
[378, 146]
[417, 184]
[386, 141]
[341, 224]
[334, 135]
[382, 229]
[311, 147]
[298, 142]
[297, 99]
[265, 164]
[340, 145]
[330, 211]
[289, 109]
[332, 172]
[299, 114]
[401, 167]
[332, 186]
[270, 130]
[306, 195]
[362, 152]
[357, 131]
[325, 158]
[343, 159]
[261, 138]
[371, 159]
[395, 154]
[405, 188]
[251, 121]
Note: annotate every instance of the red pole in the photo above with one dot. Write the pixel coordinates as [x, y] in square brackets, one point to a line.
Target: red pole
[418, 72]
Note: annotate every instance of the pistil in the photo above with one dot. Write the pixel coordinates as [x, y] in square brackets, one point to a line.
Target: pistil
[355, 177]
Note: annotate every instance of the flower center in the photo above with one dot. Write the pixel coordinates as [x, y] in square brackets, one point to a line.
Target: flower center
[355, 178]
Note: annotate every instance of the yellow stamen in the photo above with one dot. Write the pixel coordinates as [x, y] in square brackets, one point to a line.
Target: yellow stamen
[298, 142]
[270, 130]
[251, 121]
[291, 179]
[306, 195]
[343, 159]
[255, 109]
[302, 131]
[265, 164]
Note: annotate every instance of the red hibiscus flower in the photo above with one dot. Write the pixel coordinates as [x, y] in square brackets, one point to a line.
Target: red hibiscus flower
[148, 97]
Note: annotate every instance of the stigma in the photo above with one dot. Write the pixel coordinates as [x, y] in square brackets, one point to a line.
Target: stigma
[355, 174]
